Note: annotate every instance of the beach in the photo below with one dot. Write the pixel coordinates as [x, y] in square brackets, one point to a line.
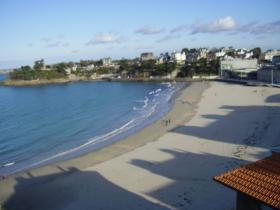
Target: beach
[212, 128]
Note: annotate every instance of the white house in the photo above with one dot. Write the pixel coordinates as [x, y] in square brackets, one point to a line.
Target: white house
[106, 61]
[160, 60]
[89, 67]
[68, 71]
[221, 53]
[269, 54]
[178, 57]
[244, 53]
[74, 67]
[202, 53]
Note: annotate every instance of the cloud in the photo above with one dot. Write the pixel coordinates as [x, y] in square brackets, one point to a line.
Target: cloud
[246, 27]
[30, 45]
[74, 51]
[223, 24]
[105, 39]
[53, 44]
[229, 24]
[167, 38]
[260, 28]
[65, 44]
[46, 39]
[180, 28]
[149, 30]
[261, 37]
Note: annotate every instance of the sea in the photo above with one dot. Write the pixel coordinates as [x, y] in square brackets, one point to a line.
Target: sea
[40, 125]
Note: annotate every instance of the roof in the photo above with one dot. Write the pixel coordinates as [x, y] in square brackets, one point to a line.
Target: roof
[260, 180]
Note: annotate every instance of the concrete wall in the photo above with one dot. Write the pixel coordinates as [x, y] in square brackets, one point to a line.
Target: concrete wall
[240, 64]
[264, 75]
[246, 66]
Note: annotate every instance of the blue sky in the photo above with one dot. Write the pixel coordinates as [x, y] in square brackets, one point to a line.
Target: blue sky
[64, 30]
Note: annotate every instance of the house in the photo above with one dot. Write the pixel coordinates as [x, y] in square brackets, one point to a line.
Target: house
[202, 53]
[221, 52]
[269, 54]
[106, 61]
[147, 56]
[89, 67]
[211, 55]
[160, 60]
[244, 53]
[192, 56]
[74, 67]
[163, 58]
[237, 67]
[68, 71]
[178, 57]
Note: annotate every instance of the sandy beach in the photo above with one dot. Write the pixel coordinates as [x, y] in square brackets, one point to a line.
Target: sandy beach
[212, 128]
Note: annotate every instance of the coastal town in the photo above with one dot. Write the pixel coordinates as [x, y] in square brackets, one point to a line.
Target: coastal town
[139, 105]
[195, 63]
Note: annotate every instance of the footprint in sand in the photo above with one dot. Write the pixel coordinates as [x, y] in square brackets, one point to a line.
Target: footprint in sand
[186, 199]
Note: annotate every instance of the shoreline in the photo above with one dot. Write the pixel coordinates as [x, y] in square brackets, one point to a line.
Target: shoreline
[184, 106]
[218, 127]
[31, 83]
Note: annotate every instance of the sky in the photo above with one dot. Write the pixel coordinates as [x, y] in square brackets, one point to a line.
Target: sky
[71, 30]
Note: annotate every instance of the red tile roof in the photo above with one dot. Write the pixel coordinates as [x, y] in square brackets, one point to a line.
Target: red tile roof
[260, 180]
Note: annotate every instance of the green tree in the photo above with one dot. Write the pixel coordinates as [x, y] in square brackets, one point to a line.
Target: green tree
[256, 52]
[230, 53]
[187, 71]
[25, 68]
[193, 50]
[185, 50]
[150, 64]
[202, 62]
[61, 68]
[165, 68]
[39, 65]
[98, 63]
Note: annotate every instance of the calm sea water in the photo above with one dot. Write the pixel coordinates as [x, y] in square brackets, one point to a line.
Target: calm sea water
[43, 124]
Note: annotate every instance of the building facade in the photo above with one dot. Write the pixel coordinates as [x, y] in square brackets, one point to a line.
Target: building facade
[237, 66]
[178, 57]
[270, 74]
[106, 61]
[147, 56]
[268, 55]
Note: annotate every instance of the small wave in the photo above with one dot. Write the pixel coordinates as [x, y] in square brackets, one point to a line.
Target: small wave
[98, 139]
[166, 83]
[8, 164]
[155, 91]
[146, 101]
[158, 90]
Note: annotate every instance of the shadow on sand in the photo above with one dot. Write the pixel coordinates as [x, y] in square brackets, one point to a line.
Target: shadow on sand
[251, 116]
[188, 188]
[73, 189]
[193, 187]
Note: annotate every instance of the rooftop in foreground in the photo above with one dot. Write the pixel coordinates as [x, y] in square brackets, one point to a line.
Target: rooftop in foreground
[259, 180]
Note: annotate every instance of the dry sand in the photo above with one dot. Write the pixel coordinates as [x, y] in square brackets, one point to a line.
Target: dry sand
[232, 125]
